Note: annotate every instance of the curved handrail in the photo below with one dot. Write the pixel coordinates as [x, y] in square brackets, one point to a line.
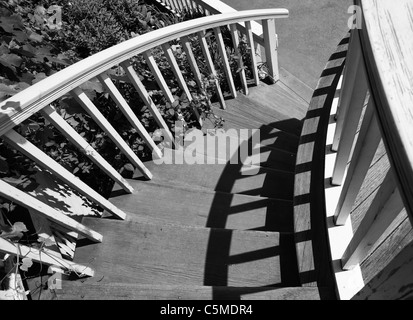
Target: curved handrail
[29, 101]
[386, 38]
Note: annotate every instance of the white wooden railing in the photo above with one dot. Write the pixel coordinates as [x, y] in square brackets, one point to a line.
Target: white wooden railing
[374, 105]
[41, 96]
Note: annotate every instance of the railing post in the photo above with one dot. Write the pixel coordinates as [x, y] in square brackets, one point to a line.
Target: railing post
[366, 146]
[385, 207]
[349, 78]
[270, 39]
[351, 122]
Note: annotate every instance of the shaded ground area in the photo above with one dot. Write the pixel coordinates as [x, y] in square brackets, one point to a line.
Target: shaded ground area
[308, 36]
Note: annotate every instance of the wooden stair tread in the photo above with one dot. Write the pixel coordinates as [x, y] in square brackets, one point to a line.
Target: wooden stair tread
[176, 205]
[230, 178]
[142, 253]
[249, 108]
[223, 145]
[280, 98]
[269, 136]
[91, 290]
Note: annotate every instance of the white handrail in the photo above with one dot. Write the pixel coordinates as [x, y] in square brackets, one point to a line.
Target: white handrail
[29, 101]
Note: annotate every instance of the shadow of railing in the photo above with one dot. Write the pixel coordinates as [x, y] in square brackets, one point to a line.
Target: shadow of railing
[274, 196]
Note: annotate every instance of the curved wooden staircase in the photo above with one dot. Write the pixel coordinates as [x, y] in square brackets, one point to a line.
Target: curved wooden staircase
[210, 231]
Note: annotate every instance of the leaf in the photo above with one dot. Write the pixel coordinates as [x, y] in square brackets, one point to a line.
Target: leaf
[39, 77]
[11, 23]
[26, 264]
[92, 86]
[71, 106]
[14, 232]
[7, 90]
[129, 167]
[47, 242]
[15, 181]
[35, 37]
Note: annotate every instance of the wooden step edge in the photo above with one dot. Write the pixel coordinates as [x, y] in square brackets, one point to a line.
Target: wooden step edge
[286, 92]
[206, 190]
[89, 290]
[268, 125]
[300, 88]
[140, 220]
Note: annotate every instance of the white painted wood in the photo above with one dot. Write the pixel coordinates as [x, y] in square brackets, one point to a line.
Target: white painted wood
[186, 45]
[387, 37]
[250, 40]
[350, 124]
[271, 55]
[211, 68]
[29, 101]
[216, 7]
[104, 124]
[50, 114]
[179, 2]
[150, 60]
[12, 193]
[349, 79]
[366, 146]
[44, 256]
[175, 69]
[21, 144]
[129, 114]
[140, 88]
[348, 282]
[235, 41]
[386, 206]
[225, 63]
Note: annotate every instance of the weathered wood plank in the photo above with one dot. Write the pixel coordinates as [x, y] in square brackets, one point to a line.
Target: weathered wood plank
[386, 39]
[366, 146]
[173, 255]
[212, 209]
[232, 178]
[384, 209]
[399, 235]
[123, 291]
[394, 282]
